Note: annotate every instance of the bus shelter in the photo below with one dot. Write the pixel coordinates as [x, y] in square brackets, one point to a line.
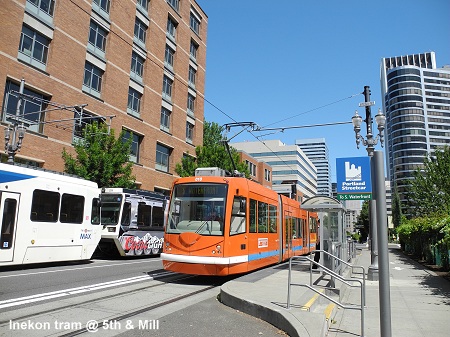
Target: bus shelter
[331, 231]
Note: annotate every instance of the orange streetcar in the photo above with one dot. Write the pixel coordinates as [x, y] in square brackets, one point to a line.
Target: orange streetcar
[221, 225]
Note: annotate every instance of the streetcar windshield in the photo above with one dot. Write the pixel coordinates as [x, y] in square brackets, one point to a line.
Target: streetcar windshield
[110, 209]
[198, 208]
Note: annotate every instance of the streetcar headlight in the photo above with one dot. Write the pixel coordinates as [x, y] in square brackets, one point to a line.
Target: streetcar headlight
[218, 248]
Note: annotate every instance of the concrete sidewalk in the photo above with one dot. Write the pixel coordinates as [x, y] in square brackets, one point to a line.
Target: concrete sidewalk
[420, 300]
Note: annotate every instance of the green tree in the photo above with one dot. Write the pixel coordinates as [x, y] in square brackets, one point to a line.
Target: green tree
[363, 220]
[429, 191]
[213, 153]
[101, 158]
[396, 208]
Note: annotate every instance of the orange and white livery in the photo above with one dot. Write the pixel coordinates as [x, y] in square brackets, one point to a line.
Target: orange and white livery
[229, 225]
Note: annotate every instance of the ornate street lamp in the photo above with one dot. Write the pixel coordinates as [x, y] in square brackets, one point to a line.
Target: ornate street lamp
[369, 141]
[14, 135]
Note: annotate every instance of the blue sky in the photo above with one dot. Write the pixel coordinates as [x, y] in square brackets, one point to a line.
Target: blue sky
[302, 62]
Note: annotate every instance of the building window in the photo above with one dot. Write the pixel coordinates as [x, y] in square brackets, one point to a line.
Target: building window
[135, 144]
[97, 39]
[251, 168]
[33, 48]
[137, 66]
[162, 158]
[140, 31]
[92, 82]
[134, 102]
[193, 50]
[168, 58]
[43, 6]
[143, 4]
[191, 104]
[33, 105]
[171, 28]
[195, 24]
[103, 5]
[167, 88]
[192, 75]
[267, 174]
[189, 132]
[165, 120]
[81, 121]
[175, 4]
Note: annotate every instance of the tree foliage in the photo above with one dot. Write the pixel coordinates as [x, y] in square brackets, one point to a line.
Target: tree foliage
[396, 208]
[363, 220]
[417, 235]
[213, 153]
[101, 158]
[429, 191]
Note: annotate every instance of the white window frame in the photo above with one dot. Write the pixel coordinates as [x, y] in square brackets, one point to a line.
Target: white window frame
[135, 144]
[162, 157]
[167, 88]
[189, 132]
[137, 67]
[31, 46]
[171, 30]
[141, 30]
[93, 72]
[165, 119]
[134, 102]
[98, 35]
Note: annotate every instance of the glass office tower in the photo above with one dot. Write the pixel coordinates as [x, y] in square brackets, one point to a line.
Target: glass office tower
[416, 102]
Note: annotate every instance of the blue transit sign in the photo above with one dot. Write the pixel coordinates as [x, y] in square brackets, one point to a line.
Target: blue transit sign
[353, 178]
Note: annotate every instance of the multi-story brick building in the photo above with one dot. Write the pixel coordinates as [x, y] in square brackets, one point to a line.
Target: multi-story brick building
[139, 66]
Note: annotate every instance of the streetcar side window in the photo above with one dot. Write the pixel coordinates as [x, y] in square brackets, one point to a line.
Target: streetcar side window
[238, 216]
[72, 208]
[158, 216]
[300, 225]
[45, 206]
[253, 215]
[263, 217]
[144, 216]
[8, 222]
[126, 215]
[272, 219]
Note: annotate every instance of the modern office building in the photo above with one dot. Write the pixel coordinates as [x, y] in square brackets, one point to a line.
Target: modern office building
[292, 171]
[138, 66]
[317, 151]
[352, 211]
[416, 101]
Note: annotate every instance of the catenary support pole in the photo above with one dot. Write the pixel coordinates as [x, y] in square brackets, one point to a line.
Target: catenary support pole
[372, 272]
[383, 253]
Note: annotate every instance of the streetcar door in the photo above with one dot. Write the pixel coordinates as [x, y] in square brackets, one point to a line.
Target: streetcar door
[9, 206]
[306, 236]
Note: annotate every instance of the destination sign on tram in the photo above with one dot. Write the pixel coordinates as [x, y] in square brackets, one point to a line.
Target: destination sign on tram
[201, 190]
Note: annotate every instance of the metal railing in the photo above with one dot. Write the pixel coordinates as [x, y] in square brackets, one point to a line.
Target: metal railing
[333, 274]
[352, 267]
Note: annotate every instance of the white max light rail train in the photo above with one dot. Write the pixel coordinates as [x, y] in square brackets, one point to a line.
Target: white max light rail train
[132, 222]
[46, 216]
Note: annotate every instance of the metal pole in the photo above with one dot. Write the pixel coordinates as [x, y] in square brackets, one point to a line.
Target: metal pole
[384, 285]
[373, 268]
[372, 273]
